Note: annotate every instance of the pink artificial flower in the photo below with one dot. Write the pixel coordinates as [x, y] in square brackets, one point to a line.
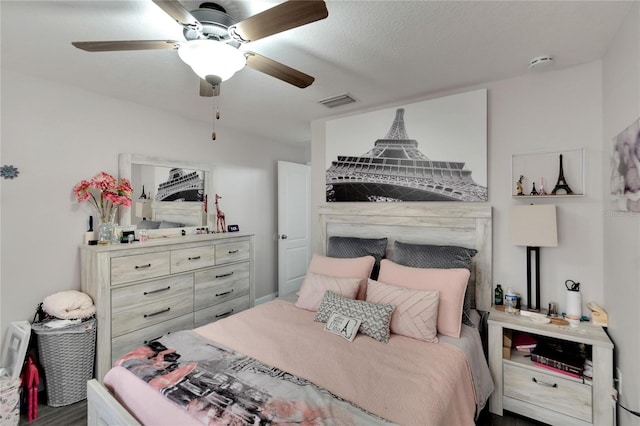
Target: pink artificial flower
[105, 192]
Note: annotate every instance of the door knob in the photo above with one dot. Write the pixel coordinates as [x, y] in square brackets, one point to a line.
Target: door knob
[283, 237]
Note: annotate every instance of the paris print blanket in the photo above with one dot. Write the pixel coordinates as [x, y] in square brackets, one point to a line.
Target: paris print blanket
[217, 386]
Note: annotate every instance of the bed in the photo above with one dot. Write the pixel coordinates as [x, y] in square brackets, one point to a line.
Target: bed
[276, 364]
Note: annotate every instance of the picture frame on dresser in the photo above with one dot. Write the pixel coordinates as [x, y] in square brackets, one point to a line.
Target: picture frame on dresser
[167, 218]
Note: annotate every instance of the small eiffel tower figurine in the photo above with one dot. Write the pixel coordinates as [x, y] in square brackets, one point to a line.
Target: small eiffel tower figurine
[562, 183]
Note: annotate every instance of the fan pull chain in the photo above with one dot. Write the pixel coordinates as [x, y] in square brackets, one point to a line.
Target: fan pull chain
[216, 117]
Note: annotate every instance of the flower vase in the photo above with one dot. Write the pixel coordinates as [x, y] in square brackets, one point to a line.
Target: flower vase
[106, 229]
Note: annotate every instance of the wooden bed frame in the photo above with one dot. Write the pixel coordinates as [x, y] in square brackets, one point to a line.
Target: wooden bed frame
[464, 225]
[449, 224]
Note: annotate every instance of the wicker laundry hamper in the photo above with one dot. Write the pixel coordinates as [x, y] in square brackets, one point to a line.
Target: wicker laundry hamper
[67, 356]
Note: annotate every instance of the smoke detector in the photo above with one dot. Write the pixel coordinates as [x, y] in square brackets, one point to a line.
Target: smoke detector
[541, 62]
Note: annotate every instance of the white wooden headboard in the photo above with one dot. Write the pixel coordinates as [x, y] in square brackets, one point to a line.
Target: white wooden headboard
[463, 225]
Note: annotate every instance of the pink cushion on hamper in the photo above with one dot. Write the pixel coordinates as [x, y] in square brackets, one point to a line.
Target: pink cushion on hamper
[416, 313]
[451, 283]
[314, 286]
[356, 267]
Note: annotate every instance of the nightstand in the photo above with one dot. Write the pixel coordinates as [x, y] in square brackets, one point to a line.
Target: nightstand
[544, 395]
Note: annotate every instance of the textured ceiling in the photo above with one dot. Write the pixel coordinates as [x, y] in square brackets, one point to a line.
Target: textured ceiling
[381, 52]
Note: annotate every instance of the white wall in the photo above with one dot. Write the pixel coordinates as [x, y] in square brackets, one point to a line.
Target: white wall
[621, 106]
[537, 112]
[58, 135]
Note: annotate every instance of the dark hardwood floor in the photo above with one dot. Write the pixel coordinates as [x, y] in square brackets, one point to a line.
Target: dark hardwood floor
[76, 415]
[69, 415]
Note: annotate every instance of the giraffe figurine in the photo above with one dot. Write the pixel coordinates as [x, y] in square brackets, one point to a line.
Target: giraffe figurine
[220, 220]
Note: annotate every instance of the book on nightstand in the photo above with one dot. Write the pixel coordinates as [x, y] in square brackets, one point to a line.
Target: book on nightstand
[562, 355]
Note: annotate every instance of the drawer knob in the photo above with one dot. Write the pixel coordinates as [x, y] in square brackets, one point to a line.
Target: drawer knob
[194, 258]
[225, 275]
[540, 382]
[157, 291]
[234, 251]
[157, 313]
[225, 314]
[225, 293]
[148, 265]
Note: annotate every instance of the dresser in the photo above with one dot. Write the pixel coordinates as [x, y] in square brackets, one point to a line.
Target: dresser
[143, 291]
[525, 388]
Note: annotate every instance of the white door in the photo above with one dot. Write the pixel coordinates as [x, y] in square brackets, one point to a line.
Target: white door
[294, 230]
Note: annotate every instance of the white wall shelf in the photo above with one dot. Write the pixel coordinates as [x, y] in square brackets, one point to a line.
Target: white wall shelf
[545, 166]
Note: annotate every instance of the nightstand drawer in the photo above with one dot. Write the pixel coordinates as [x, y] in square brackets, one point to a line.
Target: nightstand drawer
[549, 391]
[125, 343]
[139, 267]
[220, 284]
[222, 310]
[192, 258]
[232, 252]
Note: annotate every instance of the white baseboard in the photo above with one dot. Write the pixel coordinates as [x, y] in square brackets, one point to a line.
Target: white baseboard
[266, 298]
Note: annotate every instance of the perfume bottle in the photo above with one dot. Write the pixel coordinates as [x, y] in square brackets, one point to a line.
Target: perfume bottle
[498, 296]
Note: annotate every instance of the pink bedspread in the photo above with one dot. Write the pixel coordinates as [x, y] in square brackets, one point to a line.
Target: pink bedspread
[405, 381]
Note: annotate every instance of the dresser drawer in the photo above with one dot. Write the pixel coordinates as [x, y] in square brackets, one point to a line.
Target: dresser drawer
[232, 251]
[220, 284]
[549, 391]
[222, 310]
[139, 267]
[150, 314]
[140, 295]
[192, 258]
[127, 342]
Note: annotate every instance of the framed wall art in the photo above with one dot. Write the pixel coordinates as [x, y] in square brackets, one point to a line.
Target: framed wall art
[435, 150]
[625, 170]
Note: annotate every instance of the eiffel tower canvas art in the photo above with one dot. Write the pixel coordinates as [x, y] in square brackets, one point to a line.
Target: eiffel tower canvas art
[396, 169]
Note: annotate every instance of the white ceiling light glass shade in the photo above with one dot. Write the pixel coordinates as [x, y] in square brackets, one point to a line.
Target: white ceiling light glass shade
[210, 57]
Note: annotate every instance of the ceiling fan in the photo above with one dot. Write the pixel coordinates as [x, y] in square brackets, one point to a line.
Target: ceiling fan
[213, 37]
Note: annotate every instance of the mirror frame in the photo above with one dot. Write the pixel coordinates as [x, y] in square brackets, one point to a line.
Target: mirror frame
[125, 164]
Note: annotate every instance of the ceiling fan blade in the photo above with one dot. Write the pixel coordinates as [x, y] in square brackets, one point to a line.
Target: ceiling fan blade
[205, 88]
[278, 70]
[175, 9]
[285, 16]
[108, 46]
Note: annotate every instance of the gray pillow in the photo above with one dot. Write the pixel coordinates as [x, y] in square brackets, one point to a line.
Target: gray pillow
[375, 317]
[148, 224]
[164, 225]
[439, 257]
[349, 247]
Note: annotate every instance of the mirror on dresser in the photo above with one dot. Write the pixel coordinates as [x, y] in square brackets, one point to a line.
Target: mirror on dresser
[169, 195]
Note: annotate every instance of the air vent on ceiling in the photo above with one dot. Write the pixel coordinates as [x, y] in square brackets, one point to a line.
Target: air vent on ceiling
[336, 101]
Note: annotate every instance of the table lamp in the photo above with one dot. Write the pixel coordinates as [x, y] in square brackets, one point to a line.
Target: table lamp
[143, 209]
[534, 226]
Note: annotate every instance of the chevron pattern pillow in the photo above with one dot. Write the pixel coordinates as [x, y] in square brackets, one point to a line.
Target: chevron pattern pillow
[315, 285]
[416, 313]
[375, 317]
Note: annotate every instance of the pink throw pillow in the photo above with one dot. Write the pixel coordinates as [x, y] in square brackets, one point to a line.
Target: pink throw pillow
[416, 313]
[451, 283]
[314, 286]
[357, 267]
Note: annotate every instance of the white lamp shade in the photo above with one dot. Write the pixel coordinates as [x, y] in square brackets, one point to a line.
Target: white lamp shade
[143, 209]
[534, 226]
[210, 57]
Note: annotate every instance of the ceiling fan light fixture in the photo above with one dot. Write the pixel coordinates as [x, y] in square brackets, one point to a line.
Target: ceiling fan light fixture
[211, 57]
